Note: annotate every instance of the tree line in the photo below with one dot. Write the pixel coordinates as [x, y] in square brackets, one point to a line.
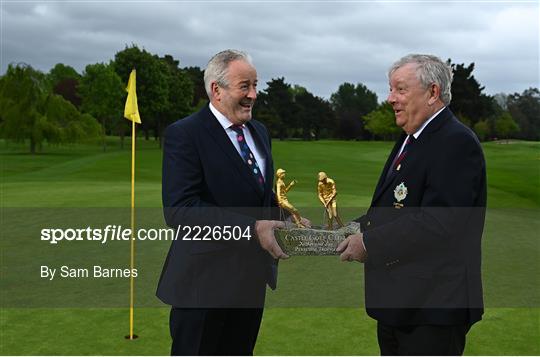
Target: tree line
[63, 106]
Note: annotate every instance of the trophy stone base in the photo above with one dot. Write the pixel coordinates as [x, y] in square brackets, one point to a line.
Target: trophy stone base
[313, 241]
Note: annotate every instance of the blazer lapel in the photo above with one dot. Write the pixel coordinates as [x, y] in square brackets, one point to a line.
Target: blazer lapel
[220, 137]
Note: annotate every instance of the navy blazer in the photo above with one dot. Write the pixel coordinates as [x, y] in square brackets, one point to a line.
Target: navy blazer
[207, 183]
[423, 264]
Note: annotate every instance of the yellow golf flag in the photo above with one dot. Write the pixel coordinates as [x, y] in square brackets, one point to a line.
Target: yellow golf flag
[131, 110]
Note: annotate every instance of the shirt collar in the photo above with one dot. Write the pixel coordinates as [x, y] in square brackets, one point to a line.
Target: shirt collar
[419, 131]
[222, 119]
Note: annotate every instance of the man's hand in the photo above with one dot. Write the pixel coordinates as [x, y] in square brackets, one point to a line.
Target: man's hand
[265, 234]
[352, 248]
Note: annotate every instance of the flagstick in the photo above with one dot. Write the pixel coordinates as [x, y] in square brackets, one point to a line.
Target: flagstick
[132, 265]
[131, 112]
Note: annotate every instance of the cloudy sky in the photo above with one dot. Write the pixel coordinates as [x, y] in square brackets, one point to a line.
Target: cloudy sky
[316, 44]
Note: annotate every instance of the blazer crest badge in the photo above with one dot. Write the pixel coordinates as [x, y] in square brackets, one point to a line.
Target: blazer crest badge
[400, 193]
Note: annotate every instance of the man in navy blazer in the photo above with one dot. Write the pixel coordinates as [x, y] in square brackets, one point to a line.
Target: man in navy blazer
[217, 192]
[420, 239]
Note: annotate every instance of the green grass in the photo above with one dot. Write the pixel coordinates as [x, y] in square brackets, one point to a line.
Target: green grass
[317, 309]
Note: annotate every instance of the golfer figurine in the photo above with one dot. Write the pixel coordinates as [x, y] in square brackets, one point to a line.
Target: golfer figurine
[327, 195]
[283, 202]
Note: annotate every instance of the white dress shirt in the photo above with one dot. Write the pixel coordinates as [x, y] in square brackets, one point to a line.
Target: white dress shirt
[226, 124]
[419, 131]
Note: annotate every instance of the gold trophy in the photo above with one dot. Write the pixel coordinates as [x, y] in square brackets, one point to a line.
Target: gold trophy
[299, 240]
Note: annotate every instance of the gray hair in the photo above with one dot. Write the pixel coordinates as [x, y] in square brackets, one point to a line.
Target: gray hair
[218, 68]
[429, 69]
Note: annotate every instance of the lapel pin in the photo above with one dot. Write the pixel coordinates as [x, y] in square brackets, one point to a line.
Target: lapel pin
[398, 167]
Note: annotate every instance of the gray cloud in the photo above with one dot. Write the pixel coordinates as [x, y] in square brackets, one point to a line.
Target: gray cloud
[315, 44]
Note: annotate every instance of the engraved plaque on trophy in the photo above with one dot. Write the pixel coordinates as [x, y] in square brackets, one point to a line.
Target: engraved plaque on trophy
[313, 241]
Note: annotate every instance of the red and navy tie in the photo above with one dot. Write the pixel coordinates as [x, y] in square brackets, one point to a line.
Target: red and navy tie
[247, 155]
[398, 159]
[401, 156]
